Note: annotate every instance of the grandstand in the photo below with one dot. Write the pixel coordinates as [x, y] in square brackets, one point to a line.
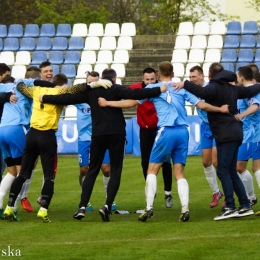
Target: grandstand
[97, 46]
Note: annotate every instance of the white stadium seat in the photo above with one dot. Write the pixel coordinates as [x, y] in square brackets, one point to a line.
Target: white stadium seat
[179, 56]
[7, 57]
[201, 28]
[79, 30]
[199, 42]
[125, 43]
[185, 28]
[92, 43]
[18, 71]
[22, 58]
[112, 29]
[182, 42]
[215, 42]
[218, 27]
[120, 69]
[95, 29]
[121, 56]
[88, 57]
[100, 67]
[104, 57]
[196, 55]
[128, 29]
[81, 71]
[108, 43]
[70, 112]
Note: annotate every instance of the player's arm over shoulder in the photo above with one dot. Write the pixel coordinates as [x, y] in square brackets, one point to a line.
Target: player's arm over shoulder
[79, 88]
[25, 90]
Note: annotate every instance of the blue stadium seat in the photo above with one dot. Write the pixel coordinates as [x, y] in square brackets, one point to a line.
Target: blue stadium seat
[231, 41]
[63, 30]
[240, 64]
[257, 56]
[47, 30]
[247, 41]
[3, 31]
[250, 27]
[76, 44]
[43, 44]
[56, 57]
[55, 69]
[69, 83]
[229, 55]
[234, 27]
[228, 66]
[258, 42]
[38, 57]
[15, 31]
[27, 44]
[72, 57]
[59, 44]
[245, 55]
[69, 70]
[31, 30]
[1, 44]
[11, 44]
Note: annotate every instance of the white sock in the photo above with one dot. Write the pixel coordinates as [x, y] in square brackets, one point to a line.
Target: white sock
[150, 190]
[5, 186]
[211, 177]
[25, 187]
[183, 191]
[105, 182]
[257, 176]
[247, 180]
[167, 192]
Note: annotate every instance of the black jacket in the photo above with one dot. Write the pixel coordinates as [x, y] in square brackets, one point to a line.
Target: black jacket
[4, 97]
[105, 120]
[224, 127]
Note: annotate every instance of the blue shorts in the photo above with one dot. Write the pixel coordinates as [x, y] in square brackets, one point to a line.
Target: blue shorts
[207, 140]
[170, 143]
[83, 152]
[12, 141]
[106, 159]
[245, 152]
[256, 151]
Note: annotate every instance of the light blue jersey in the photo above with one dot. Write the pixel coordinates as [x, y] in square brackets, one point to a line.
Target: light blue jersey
[248, 129]
[202, 113]
[255, 117]
[170, 106]
[20, 112]
[84, 122]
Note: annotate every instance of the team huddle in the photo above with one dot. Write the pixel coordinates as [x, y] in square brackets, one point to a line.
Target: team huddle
[228, 105]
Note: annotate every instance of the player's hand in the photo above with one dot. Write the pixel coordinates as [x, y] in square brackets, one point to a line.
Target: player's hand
[101, 83]
[102, 102]
[13, 99]
[177, 85]
[224, 109]
[163, 88]
[40, 98]
[237, 117]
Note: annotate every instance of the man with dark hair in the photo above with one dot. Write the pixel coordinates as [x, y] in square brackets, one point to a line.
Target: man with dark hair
[46, 70]
[33, 72]
[4, 71]
[8, 79]
[253, 67]
[228, 133]
[108, 132]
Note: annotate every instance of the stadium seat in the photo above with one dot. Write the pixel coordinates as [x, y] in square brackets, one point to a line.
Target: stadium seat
[81, 71]
[228, 66]
[229, 55]
[95, 29]
[22, 58]
[1, 44]
[128, 29]
[11, 44]
[18, 71]
[178, 69]
[201, 28]
[212, 55]
[27, 44]
[7, 57]
[63, 30]
[69, 83]
[205, 67]
[185, 28]
[188, 110]
[56, 57]
[196, 55]
[240, 64]
[78, 81]
[234, 27]
[199, 42]
[179, 56]
[257, 56]
[92, 43]
[47, 30]
[59, 44]
[104, 57]
[3, 31]
[188, 67]
[247, 41]
[15, 31]
[125, 43]
[118, 81]
[218, 27]
[76, 44]
[38, 57]
[258, 42]
[69, 70]
[43, 44]
[100, 67]
[176, 79]
[88, 57]
[31, 30]
[182, 42]
[79, 30]
[108, 43]
[215, 42]
[55, 69]
[231, 41]
[70, 112]
[250, 27]
[72, 57]
[121, 56]
[112, 29]
[245, 55]
[120, 69]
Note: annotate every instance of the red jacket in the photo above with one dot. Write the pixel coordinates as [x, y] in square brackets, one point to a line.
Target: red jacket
[146, 113]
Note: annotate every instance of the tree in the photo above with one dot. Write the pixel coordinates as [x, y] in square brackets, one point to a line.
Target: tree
[255, 4]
